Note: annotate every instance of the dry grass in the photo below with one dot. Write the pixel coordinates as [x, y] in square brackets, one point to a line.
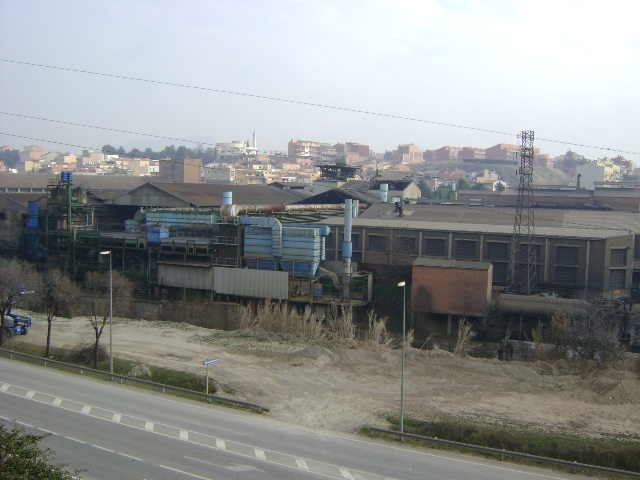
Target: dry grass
[465, 335]
[377, 329]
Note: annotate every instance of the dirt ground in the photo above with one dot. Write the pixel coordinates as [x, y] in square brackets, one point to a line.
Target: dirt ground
[343, 388]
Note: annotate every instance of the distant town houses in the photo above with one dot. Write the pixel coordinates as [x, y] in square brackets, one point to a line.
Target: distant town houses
[241, 163]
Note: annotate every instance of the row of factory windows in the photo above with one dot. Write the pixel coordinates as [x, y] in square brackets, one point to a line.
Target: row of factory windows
[468, 249]
[565, 267]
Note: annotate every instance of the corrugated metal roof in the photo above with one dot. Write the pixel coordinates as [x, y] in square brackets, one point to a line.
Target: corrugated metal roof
[204, 195]
[444, 263]
[493, 219]
[405, 223]
[26, 181]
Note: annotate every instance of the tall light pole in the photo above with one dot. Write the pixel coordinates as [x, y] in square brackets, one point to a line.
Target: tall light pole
[404, 339]
[108, 252]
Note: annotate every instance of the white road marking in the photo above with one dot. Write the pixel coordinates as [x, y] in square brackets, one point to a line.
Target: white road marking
[57, 401]
[86, 409]
[4, 387]
[30, 394]
[148, 426]
[183, 472]
[116, 417]
[302, 464]
[346, 474]
[129, 456]
[103, 448]
[184, 434]
[24, 424]
[260, 453]
[75, 440]
[221, 444]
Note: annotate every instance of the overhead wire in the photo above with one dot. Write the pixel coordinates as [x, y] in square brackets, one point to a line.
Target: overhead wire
[496, 211]
[304, 103]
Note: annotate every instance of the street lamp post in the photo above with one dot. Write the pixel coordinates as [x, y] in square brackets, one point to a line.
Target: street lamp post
[404, 339]
[108, 252]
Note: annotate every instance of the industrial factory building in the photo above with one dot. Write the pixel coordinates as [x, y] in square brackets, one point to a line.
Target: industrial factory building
[234, 243]
[578, 253]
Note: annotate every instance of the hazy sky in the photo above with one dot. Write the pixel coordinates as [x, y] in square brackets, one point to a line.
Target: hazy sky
[569, 70]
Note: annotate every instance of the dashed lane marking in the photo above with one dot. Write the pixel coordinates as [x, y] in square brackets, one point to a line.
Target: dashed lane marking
[103, 448]
[176, 432]
[75, 440]
[30, 394]
[346, 474]
[183, 472]
[130, 457]
[4, 387]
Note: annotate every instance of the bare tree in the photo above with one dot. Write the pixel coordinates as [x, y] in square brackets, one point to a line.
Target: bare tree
[18, 282]
[58, 294]
[95, 305]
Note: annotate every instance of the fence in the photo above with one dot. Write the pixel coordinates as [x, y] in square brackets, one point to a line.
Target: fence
[505, 453]
[122, 378]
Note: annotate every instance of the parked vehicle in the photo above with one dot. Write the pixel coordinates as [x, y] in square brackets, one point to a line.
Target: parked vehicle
[15, 324]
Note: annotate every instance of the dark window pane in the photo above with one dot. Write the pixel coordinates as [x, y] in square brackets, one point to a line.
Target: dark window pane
[618, 257]
[406, 245]
[435, 247]
[499, 273]
[567, 255]
[567, 275]
[465, 249]
[617, 279]
[497, 251]
[377, 243]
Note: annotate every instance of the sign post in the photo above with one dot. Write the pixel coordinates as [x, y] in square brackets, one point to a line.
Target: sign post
[206, 363]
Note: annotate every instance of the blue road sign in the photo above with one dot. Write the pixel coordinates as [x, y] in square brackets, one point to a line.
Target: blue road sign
[210, 361]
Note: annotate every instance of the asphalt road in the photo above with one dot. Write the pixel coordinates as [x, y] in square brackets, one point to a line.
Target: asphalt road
[120, 432]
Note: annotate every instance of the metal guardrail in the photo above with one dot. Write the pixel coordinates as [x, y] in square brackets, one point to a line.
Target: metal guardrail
[506, 453]
[122, 378]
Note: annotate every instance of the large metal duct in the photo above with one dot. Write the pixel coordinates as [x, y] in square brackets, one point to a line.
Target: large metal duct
[235, 210]
[538, 305]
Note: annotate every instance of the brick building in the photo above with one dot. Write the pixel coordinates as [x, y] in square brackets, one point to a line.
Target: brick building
[186, 170]
[447, 154]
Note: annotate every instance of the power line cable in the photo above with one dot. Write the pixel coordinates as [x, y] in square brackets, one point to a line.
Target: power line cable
[83, 147]
[309, 104]
[104, 128]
